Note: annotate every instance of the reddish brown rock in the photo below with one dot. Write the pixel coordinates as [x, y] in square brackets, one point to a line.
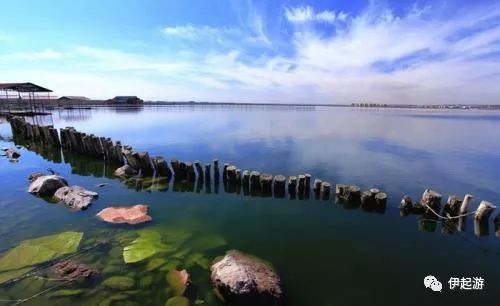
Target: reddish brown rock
[125, 214]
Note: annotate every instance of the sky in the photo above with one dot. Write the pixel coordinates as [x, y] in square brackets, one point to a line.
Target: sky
[396, 52]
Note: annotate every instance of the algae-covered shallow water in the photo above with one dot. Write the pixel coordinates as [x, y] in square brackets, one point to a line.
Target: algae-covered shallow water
[326, 253]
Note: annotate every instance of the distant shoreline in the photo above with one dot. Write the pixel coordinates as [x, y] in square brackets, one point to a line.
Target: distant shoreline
[78, 104]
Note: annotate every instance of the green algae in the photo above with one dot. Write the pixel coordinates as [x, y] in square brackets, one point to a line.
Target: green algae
[29, 253]
[146, 245]
[119, 283]
[65, 293]
[155, 263]
[177, 301]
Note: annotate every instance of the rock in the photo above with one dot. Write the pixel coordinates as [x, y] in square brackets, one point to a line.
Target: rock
[240, 278]
[75, 197]
[34, 175]
[102, 185]
[177, 301]
[177, 281]
[72, 270]
[121, 214]
[125, 170]
[119, 283]
[47, 185]
[12, 154]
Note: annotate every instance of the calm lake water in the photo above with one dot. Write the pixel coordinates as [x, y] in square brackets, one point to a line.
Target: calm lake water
[326, 253]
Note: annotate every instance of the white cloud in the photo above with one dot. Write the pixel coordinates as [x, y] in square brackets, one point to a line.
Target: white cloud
[47, 54]
[375, 56]
[190, 32]
[303, 14]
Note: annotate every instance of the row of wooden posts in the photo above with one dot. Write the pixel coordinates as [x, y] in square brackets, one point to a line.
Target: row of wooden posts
[234, 178]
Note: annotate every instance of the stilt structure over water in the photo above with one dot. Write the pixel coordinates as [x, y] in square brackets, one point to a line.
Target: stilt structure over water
[15, 96]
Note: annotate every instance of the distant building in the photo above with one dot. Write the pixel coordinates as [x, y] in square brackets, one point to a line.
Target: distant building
[126, 100]
[73, 98]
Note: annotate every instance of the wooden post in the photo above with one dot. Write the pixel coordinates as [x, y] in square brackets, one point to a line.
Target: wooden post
[292, 186]
[484, 211]
[466, 204]
[161, 167]
[350, 193]
[207, 172]
[279, 186]
[266, 182]
[245, 182]
[317, 188]
[301, 184]
[255, 183]
[230, 175]
[481, 227]
[191, 176]
[208, 181]
[432, 199]
[381, 200]
[452, 206]
[325, 190]
[308, 182]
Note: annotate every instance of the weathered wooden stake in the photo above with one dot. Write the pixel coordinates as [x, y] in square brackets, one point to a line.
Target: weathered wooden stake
[266, 184]
[466, 204]
[279, 186]
[292, 186]
[325, 190]
[432, 199]
[484, 211]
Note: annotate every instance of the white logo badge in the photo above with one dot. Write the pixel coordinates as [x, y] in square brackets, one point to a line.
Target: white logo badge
[432, 282]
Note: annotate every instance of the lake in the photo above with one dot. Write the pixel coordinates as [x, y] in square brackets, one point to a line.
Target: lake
[326, 251]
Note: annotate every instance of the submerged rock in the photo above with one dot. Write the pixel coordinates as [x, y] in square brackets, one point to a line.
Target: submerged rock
[72, 270]
[12, 154]
[121, 214]
[244, 279]
[125, 170]
[34, 175]
[47, 185]
[177, 281]
[75, 197]
[119, 283]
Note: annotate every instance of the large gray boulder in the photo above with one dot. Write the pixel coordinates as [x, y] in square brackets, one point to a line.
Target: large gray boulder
[75, 197]
[47, 185]
[245, 280]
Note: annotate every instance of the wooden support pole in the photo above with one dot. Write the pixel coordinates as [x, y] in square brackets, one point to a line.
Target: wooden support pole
[266, 184]
[292, 186]
[484, 211]
[279, 186]
[325, 190]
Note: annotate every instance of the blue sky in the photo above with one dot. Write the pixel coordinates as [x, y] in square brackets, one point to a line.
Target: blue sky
[257, 51]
